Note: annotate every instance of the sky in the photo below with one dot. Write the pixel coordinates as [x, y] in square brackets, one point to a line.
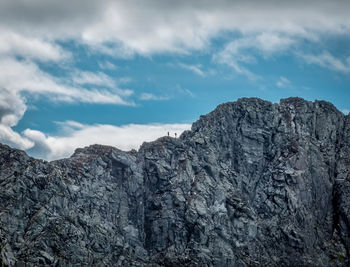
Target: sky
[80, 72]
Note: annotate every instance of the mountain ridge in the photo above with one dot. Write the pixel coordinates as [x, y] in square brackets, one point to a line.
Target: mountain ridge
[252, 183]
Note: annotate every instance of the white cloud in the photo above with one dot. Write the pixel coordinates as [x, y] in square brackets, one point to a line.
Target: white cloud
[93, 78]
[194, 68]
[238, 53]
[153, 26]
[76, 135]
[20, 78]
[172, 92]
[23, 76]
[14, 44]
[283, 82]
[149, 96]
[327, 60]
[271, 43]
[234, 61]
[123, 28]
[179, 90]
[12, 107]
[180, 26]
[12, 138]
[145, 28]
[106, 65]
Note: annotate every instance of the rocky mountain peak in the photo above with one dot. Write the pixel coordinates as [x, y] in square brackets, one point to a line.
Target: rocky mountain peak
[252, 184]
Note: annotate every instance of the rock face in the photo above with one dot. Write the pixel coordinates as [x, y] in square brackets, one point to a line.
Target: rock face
[252, 184]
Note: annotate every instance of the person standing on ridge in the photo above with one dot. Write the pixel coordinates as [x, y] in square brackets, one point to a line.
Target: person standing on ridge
[175, 135]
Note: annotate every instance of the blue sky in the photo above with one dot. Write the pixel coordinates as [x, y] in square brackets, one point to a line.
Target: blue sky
[75, 73]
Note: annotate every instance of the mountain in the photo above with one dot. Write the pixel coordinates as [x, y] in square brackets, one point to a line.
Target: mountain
[252, 184]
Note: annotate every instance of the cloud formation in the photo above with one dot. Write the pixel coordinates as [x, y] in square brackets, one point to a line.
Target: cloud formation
[15, 44]
[327, 60]
[283, 82]
[106, 65]
[238, 53]
[18, 78]
[149, 96]
[25, 76]
[197, 69]
[124, 28]
[154, 26]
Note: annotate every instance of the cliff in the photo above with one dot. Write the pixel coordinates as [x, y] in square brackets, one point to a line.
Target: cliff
[252, 184]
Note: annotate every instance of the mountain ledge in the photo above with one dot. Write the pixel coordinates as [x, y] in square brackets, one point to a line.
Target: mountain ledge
[252, 184]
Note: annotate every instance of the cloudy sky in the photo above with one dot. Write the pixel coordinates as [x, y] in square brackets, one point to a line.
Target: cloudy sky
[78, 72]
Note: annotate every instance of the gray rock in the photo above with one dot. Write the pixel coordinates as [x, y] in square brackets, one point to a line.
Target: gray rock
[252, 184]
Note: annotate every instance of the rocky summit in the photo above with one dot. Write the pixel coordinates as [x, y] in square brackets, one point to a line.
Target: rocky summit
[252, 184]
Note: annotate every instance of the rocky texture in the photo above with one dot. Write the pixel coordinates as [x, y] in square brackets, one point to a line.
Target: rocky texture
[252, 184]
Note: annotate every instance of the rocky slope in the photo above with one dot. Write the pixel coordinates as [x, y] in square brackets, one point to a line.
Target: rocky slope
[252, 184]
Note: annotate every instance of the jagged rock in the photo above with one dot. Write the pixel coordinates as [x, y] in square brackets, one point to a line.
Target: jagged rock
[252, 184]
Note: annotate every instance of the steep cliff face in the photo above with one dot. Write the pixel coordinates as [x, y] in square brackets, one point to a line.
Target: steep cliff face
[252, 184]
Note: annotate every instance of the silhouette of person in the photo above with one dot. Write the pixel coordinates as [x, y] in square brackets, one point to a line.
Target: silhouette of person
[168, 134]
[175, 135]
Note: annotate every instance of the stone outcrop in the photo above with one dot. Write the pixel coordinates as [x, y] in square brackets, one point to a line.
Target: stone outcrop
[252, 184]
